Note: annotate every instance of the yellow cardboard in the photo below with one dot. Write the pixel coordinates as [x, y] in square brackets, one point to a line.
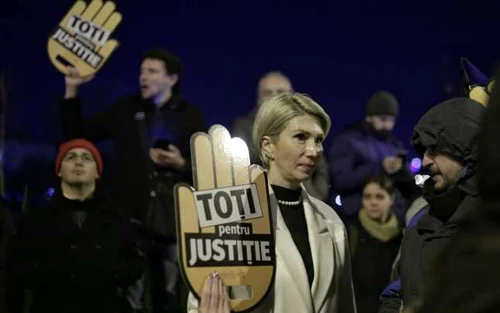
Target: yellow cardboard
[83, 37]
[219, 226]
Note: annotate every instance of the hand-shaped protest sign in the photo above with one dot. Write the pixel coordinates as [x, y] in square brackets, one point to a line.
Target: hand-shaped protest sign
[82, 39]
[224, 225]
[482, 94]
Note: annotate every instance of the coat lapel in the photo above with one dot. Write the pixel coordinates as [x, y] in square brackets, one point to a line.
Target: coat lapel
[289, 259]
[322, 250]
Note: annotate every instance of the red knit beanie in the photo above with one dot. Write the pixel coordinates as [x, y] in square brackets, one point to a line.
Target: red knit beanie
[79, 143]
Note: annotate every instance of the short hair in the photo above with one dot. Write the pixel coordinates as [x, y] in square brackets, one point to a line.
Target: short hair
[173, 64]
[274, 74]
[274, 114]
[383, 181]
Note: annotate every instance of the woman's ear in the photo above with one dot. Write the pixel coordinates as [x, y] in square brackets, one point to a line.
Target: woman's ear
[268, 147]
[393, 199]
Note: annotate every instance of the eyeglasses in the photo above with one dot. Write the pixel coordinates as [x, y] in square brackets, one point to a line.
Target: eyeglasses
[73, 157]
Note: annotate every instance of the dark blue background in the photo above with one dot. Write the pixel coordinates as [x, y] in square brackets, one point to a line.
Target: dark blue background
[338, 52]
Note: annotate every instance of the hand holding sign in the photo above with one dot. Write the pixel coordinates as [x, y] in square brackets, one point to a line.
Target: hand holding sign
[214, 298]
[82, 38]
[225, 224]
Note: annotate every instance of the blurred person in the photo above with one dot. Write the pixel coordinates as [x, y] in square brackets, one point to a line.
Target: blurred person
[466, 276]
[7, 230]
[77, 254]
[446, 137]
[272, 84]
[366, 149]
[313, 272]
[151, 134]
[374, 240]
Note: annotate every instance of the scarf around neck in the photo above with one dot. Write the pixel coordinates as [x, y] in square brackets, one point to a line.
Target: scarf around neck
[381, 231]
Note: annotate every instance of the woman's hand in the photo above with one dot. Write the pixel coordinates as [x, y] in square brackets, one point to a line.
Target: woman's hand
[214, 297]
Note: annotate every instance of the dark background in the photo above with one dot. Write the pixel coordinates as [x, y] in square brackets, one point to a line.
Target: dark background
[337, 52]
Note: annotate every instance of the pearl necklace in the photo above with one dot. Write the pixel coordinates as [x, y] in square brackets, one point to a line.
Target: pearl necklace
[290, 203]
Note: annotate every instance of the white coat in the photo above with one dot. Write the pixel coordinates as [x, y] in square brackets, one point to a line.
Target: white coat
[331, 290]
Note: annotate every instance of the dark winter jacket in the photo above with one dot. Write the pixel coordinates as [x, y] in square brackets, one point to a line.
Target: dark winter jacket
[7, 230]
[469, 264]
[371, 261]
[136, 180]
[451, 127]
[356, 155]
[70, 268]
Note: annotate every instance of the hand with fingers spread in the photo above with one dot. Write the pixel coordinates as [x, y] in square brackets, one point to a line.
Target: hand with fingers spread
[228, 191]
[82, 38]
[214, 297]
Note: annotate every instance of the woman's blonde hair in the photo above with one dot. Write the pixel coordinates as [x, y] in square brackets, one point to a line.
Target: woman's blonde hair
[274, 114]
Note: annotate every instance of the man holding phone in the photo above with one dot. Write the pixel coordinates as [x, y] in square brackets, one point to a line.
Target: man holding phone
[368, 149]
[151, 137]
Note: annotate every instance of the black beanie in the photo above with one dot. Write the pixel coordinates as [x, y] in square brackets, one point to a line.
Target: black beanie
[382, 103]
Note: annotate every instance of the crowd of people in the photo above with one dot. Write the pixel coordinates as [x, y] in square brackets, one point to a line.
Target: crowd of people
[390, 246]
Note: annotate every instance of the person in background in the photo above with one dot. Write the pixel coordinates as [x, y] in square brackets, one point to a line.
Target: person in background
[313, 272]
[272, 84]
[366, 149]
[469, 263]
[7, 230]
[151, 134]
[78, 254]
[446, 138]
[374, 240]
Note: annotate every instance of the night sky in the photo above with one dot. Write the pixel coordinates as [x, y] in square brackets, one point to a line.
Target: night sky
[337, 52]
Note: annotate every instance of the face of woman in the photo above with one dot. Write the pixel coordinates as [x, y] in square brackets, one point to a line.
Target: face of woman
[294, 154]
[377, 202]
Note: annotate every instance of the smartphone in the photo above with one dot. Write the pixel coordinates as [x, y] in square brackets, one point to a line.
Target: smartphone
[162, 144]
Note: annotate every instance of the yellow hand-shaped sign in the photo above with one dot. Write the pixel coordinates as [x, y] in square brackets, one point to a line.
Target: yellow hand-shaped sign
[82, 39]
[482, 94]
[224, 225]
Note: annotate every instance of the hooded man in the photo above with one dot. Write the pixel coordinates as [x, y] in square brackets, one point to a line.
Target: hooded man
[76, 255]
[446, 137]
[468, 264]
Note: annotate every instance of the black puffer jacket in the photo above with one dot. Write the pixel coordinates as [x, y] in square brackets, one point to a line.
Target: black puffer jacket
[451, 127]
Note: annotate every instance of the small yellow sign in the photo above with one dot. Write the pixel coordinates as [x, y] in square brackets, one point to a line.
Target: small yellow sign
[83, 37]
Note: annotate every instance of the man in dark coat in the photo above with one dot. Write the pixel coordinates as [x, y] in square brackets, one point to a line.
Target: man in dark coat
[77, 254]
[368, 149]
[447, 139]
[151, 136]
[469, 263]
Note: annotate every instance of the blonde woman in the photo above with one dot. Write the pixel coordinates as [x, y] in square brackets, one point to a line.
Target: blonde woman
[313, 271]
